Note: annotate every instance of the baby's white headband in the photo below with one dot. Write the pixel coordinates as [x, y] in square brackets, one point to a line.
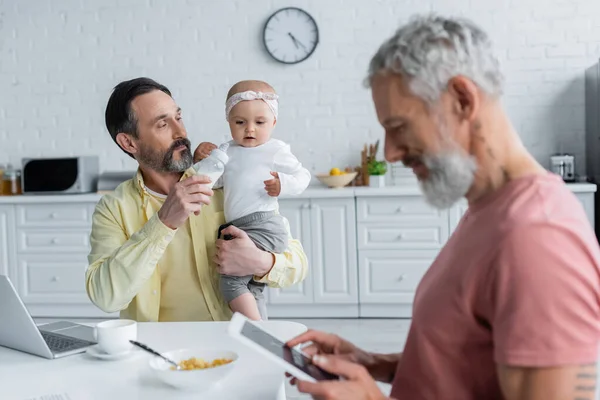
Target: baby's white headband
[269, 98]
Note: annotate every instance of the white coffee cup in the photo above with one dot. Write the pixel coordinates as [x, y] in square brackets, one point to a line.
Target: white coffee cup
[113, 336]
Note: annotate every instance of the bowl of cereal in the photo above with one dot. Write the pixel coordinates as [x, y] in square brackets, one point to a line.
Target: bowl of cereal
[201, 368]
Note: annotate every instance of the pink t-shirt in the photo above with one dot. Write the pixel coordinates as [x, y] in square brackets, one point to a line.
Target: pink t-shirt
[517, 284]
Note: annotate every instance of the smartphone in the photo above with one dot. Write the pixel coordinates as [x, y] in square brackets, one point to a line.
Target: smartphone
[292, 360]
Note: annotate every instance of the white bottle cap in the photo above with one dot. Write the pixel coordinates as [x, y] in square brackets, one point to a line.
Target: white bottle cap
[220, 155]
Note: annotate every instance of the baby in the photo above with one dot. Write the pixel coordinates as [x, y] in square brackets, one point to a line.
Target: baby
[259, 169]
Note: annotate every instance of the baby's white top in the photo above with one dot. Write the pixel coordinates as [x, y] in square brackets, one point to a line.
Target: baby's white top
[247, 170]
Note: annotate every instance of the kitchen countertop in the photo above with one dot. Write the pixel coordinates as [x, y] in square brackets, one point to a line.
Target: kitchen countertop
[313, 192]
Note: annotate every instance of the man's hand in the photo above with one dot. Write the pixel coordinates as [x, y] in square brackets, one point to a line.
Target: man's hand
[186, 197]
[203, 150]
[240, 256]
[358, 384]
[273, 186]
[329, 344]
[382, 367]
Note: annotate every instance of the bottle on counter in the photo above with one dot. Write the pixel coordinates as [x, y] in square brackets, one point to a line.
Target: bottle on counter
[11, 182]
[1, 178]
[213, 166]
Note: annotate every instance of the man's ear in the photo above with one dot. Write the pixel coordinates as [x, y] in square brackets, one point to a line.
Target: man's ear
[127, 143]
[274, 122]
[466, 97]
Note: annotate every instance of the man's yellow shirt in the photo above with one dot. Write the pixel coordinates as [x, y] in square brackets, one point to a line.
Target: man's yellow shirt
[128, 245]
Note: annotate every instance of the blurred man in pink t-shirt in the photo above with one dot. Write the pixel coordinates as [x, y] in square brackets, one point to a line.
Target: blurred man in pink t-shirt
[510, 308]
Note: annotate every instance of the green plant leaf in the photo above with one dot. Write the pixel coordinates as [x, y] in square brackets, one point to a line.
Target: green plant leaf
[377, 167]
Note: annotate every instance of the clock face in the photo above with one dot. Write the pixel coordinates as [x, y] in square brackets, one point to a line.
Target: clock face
[291, 35]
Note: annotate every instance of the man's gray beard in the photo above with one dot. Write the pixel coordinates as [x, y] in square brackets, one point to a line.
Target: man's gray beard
[451, 175]
[165, 162]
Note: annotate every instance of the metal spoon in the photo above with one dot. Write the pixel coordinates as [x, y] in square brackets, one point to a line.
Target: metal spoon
[156, 353]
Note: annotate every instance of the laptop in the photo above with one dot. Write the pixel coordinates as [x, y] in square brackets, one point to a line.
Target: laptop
[18, 330]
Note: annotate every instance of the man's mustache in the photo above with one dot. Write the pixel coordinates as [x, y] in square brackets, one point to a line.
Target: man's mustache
[180, 142]
[409, 161]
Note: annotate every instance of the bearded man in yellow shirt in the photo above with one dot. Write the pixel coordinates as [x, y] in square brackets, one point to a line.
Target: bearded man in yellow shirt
[155, 255]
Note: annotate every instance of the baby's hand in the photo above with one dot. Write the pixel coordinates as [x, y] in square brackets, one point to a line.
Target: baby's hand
[203, 150]
[273, 186]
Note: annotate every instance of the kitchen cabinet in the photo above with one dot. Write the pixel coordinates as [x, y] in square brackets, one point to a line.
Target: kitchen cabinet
[333, 251]
[45, 243]
[456, 213]
[327, 230]
[398, 238]
[367, 250]
[298, 215]
[388, 280]
[6, 247]
[587, 201]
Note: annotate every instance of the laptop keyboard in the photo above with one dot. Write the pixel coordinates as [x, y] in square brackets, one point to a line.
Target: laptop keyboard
[59, 343]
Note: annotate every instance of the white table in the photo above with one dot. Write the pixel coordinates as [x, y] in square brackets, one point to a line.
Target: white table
[24, 376]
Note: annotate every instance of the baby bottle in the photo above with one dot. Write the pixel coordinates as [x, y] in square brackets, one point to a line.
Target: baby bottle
[213, 166]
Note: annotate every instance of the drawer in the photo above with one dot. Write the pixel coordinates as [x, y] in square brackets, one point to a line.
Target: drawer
[60, 280]
[398, 236]
[55, 279]
[55, 215]
[391, 276]
[406, 209]
[53, 241]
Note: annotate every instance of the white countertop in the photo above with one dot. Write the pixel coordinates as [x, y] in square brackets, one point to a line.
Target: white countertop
[313, 192]
[254, 377]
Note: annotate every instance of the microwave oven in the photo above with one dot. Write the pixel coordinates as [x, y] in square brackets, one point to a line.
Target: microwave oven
[60, 175]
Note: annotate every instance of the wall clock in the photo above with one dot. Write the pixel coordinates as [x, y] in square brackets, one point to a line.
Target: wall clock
[291, 35]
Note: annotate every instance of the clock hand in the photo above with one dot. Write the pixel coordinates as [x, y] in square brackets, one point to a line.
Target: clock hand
[296, 41]
[293, 39]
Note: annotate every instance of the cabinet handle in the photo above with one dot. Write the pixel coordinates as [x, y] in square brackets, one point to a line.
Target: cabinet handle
[53, 215]
[400, 236]
[399, 210]
[55, 279]
[54, 240]
[401, 278]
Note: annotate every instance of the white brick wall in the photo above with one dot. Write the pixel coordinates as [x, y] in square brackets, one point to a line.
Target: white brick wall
[59, 60]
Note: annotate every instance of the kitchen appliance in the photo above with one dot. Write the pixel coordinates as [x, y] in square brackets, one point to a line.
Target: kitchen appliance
[109, 181]
[60, 175]
[592, 133]
[563, 165]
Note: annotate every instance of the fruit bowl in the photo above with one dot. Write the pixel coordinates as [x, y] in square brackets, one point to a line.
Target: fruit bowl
[337, 181]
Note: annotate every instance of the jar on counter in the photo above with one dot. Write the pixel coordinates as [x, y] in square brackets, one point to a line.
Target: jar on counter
[11, 182]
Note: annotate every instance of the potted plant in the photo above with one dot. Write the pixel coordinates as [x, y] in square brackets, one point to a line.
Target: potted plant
[377, 170]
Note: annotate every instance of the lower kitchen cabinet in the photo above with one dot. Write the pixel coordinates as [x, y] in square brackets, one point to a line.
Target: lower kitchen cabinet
[388, 279]
[327, 230]
[367, 251]
[6, 246]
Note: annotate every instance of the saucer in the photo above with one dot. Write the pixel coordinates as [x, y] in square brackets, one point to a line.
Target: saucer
[95, 352]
